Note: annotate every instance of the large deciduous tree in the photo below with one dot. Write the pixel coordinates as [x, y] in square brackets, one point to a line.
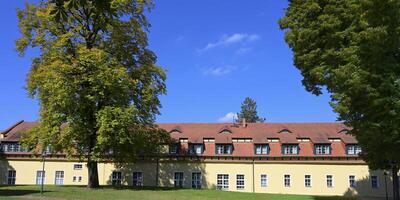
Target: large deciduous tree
[248, 111]
[352, 48]
[95, 78]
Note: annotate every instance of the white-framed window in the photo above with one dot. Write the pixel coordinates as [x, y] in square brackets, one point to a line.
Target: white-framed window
[352, 181]
[322, 149]
[196, 149]
[11, 147]
[116, 178]
[374, 181]
[240, 181]
[196, 180]
[11, 177]
[264, 180]
[290, 149]
[286, 180]
[77, 166]
[40, 175]
[79, 178]
[261, 149]
[222, 181]
[307, 180]
[137, 179]
[353, 149]
[178, 179]
[74, 179]
[173, 148]
[223, 149]
[59, 178]
[329, 181]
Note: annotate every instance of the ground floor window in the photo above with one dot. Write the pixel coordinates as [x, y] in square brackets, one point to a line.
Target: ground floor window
[178, 179]
[352, 181]
[11, 177]
[222, 181]
[137, 179]
[329, 181]
[374, 182]
[40, 177]
[286, 180]
[59, 179]
[264, 180]
[196, 180]
[116, 178]
[240, 181]
[307, 180]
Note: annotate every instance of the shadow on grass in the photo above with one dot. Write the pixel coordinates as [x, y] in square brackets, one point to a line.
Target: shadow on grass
[333, 198]
[11, 192]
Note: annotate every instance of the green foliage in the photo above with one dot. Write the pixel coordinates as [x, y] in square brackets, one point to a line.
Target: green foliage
[351, 48]
[248, 111]
[95, 78]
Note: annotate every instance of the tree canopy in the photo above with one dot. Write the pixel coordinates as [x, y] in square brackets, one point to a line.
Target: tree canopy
[351, 48]
[248, 111]
[95, 78]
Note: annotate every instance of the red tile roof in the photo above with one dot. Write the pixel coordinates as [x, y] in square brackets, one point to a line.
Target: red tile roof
[287, 133]
[260, 132]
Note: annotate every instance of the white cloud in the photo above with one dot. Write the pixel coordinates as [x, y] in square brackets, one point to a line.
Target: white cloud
[226, 40]
[219, 71]
[229, 117]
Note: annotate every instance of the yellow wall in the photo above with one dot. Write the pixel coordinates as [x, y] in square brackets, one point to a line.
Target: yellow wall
[26, 174]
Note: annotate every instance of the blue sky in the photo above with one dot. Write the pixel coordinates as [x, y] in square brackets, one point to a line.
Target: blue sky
[216, 53]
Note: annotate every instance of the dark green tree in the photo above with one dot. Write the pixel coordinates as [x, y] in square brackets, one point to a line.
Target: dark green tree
[352, 48]
[95, 78]
[248, 111]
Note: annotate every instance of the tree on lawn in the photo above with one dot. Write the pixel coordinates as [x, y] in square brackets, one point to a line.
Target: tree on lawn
[248, 111]
[352, 48]
[95, 78]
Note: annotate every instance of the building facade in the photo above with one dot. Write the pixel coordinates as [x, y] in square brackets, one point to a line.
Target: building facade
[287, 158]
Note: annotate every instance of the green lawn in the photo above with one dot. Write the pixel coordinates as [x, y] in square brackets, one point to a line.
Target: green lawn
[69, 192]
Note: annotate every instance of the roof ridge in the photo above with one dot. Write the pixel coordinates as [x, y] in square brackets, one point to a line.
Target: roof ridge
[12, 127]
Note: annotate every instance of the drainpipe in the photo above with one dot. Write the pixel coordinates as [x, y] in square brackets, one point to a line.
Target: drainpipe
[157, 172]
[253, 177]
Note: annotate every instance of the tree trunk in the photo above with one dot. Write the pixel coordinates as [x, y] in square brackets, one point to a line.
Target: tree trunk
[93, 181]
[395, 178]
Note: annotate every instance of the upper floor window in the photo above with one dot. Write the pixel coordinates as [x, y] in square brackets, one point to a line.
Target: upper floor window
[260, 149]
[290, 149]
[223, 149]
[196, 148]
[322, 149]
[353, 149]
[77, 166]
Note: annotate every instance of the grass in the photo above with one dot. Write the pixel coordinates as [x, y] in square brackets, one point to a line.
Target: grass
[73, 192]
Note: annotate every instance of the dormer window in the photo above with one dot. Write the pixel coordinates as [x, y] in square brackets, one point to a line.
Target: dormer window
[344, 131]
[285, 131]
[173, 148]
[322, 149]
[223, 149]
[196, 149]
[290, 149]
[225, 131]
[261, 149]
[175, 131]
[353, 149]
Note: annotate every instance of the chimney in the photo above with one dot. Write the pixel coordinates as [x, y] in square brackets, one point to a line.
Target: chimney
[244, 122]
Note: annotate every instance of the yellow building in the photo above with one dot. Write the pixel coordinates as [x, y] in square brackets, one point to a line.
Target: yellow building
[287, 158]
